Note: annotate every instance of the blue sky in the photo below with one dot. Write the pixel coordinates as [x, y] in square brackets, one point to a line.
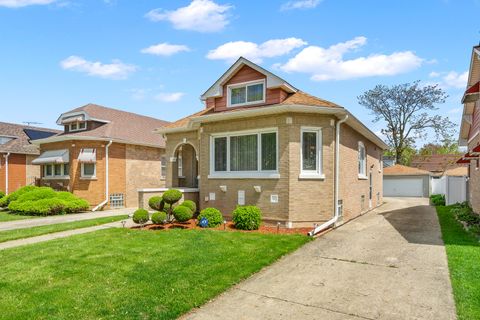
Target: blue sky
[157, 57]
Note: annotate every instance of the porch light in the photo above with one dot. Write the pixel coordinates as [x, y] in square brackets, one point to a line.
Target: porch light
[224, 224]
[223, 188]
[258, 189]
[278, 227]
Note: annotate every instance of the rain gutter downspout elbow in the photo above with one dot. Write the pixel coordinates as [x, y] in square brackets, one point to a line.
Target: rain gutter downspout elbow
[336, 181]
[104, 202]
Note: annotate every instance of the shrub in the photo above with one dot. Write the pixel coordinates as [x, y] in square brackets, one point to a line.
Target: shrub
[4, 202]
[190, 204]
[182, 213]
[2, 194]
[166, 207]
[140, 216]
[214, 217]
[172, 196]
[37, 194]
[42, 207]
[76, 205]
[247, 217]
[467, 215]
[155, 202]
[437, 199]
[159, 217]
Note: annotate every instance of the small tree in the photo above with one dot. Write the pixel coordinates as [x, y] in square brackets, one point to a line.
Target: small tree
[406, 110]
[170, 197]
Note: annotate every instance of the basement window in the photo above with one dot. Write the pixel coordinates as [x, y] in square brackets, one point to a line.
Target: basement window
[117, 200]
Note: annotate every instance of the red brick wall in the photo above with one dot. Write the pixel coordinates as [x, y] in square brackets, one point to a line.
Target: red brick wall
[16, 171]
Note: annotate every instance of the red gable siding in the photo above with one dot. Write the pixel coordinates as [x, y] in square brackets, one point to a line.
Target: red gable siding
[475, 121]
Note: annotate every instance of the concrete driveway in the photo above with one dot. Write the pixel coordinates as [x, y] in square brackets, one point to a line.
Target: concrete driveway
[387, 264]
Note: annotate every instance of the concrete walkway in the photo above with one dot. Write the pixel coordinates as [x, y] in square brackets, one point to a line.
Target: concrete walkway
[35, 222]
[388, 264]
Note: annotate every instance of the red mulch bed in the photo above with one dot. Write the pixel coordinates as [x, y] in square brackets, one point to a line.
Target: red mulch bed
[191, 224]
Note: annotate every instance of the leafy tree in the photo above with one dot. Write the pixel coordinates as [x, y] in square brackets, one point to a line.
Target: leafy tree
[406, 110]
[407, 155]
[447, 147]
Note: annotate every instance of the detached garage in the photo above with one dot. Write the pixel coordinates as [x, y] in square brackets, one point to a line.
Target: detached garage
[403, 181]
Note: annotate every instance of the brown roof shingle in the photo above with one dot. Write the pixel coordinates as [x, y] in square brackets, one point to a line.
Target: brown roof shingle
[399, 170]
[21, 142]
[122, 125]
[436, 163]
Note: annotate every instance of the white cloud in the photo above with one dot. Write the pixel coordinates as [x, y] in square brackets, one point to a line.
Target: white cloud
[199, 15]
[451, 79]
[23, 3]
[455, 110]
[300, 4]
[169, 97]
[230, 51]
[116, 70]
[165, 49]
[329, 63]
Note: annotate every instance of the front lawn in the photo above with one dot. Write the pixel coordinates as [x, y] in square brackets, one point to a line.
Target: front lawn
[131, 274]
[51, 228]
[463, 252]
[6, 216]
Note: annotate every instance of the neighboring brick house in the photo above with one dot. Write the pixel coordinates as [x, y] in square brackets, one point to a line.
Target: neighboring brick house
[261, 141]
[104, 155]
[17, 153]
[470, 129]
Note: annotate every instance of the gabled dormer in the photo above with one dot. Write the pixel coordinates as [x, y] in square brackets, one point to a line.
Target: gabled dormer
[77, 121]
[246, 84]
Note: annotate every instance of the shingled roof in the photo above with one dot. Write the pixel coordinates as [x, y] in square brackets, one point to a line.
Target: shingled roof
[436, 163]
[22, 136]
[118, 125]
[400, 170]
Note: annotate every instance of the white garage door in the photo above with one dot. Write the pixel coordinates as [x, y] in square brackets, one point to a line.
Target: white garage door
[411, 187]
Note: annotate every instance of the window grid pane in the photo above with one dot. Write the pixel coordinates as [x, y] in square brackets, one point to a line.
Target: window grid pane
[220, 154]
[269, 151]
[237, 95]
[309, 151]
[88, 169]
[255, 92]
[244, 153]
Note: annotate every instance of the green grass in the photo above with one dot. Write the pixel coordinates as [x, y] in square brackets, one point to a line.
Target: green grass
[6, 216]
[463, 252]
[38, 231]
[131, 274]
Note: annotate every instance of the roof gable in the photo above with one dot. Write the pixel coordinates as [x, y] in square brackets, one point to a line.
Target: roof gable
[272, 80]
[22, 137]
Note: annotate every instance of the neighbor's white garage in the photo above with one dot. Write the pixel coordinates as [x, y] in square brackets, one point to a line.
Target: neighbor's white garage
[403, 181]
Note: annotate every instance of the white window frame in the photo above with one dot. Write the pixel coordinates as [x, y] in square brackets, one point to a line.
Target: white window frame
[52, 176]
[84, 126]
[318, 173]
[245, 84]
[256, 174]
[380, 162]
[86, 176]
[163, 167]
[180, 164]
[362, 175]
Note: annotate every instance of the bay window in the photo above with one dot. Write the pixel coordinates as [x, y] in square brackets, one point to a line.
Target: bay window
[311, 153]
[246, 93]
[56, 170]
[244, 154]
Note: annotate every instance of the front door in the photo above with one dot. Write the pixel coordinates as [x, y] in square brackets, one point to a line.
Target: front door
[370, 191]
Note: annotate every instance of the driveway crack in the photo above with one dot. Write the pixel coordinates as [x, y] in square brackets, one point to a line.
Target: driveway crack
[306, 304]
[359, 262]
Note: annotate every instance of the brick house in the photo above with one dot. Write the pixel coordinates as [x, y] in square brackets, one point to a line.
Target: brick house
[103, 155]
[17, 153]
[261, 141]
[470, 129]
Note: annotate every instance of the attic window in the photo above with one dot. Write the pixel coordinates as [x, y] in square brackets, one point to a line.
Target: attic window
[4, 140]
[77, 126]
[246, 93]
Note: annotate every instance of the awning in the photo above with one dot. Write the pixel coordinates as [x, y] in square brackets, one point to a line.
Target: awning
[53, 156]
[462, 160]
[88, 156]
[476, 149]
[472, 94]
[469, 156]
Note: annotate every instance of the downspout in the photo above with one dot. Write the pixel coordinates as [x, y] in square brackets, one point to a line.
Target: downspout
[104, 202]
[337, 178]
[6, 171]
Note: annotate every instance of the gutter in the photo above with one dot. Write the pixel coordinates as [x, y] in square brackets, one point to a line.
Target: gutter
[337, 179]
[104, 202]
[6, 172]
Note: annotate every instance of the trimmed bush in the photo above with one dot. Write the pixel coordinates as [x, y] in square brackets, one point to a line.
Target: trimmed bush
[437, 199]
[2, 194]
[166, 207]
[172, 196]
[37, 194]
[42, 207]
[5, 201]
[247, 217]
[182, 213]
[214, 217]
[141, 216]
[155, 202]
[190, 204]
[159, 217]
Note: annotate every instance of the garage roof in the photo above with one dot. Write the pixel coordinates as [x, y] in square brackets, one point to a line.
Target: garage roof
[399, 170]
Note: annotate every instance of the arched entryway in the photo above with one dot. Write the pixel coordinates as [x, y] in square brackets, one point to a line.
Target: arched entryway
[185, 167]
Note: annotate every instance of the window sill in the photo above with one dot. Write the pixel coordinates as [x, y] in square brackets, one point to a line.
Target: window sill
[57, 178]
[362, 177]
[88, 178]
[259, 175]
[181, 177]
[306, 176]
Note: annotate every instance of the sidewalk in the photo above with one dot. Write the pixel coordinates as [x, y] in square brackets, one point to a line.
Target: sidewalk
[28, 223]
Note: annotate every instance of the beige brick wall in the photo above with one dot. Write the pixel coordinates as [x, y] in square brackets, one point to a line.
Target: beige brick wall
[143, 170]
[474, 181]
[32, 170]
